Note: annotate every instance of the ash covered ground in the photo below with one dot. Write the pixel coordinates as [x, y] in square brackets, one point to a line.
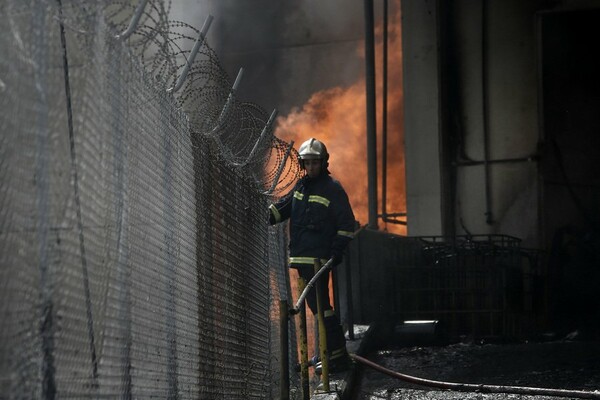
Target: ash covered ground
[573, 365]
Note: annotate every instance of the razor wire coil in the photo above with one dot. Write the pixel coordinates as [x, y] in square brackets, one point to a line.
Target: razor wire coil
[163, 47]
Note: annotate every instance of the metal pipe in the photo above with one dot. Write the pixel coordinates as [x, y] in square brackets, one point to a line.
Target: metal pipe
[280, 169]
[192, 56]
[323, 350]
[349, 306]
[357, 257]
[394, 221]
[391, 218]
[232, 92]
[384, 112]
[77, 195]
[484, 101]
[284, 366]
[481, 388]
[134, 21]
[259, 140]
[371, 113]
[395, 215]
[541, 200]
[532, 158]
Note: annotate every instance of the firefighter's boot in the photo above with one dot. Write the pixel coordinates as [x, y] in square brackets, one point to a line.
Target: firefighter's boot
[339, 360]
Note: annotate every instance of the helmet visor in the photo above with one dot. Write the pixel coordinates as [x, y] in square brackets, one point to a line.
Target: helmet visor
[310, 156]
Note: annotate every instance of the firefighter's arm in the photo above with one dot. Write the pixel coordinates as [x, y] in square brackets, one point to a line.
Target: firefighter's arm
[345, 226]
[281, 210]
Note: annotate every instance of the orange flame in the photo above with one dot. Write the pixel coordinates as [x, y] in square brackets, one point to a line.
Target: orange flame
[337, 116]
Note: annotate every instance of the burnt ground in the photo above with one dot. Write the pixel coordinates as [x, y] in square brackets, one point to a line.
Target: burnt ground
[573, 365]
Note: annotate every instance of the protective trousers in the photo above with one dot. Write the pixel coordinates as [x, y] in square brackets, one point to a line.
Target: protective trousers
[336, 342]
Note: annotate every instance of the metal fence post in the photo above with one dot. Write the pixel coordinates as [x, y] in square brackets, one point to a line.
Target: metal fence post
[349, 305]
[323, 350]
[303, 345]
[284, 392]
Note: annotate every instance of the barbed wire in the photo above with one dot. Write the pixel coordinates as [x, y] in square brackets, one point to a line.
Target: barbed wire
[242, 131]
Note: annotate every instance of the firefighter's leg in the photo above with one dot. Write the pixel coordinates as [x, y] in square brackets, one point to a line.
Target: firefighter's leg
[336, 342]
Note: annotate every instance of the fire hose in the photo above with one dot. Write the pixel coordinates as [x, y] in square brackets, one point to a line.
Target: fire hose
[481, 388]
[326, 267]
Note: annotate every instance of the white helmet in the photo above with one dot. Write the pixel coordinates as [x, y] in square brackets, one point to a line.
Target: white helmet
[314, 149]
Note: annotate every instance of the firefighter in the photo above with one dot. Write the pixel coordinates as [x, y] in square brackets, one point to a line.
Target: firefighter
[321, 225]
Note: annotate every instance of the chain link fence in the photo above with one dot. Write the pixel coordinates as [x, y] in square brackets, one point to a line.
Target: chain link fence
[135, 257]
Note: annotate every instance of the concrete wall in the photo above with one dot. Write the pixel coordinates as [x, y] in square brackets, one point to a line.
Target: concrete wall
[511, 115]
[471, 70]
[498, 92]
[490, 70]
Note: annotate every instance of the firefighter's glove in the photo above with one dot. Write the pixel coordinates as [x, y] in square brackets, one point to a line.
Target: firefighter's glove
[337, 257]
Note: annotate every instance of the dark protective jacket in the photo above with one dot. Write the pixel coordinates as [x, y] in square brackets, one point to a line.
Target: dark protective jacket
[321, 219]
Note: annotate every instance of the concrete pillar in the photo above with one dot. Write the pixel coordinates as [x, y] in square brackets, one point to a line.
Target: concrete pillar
[422, 116]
